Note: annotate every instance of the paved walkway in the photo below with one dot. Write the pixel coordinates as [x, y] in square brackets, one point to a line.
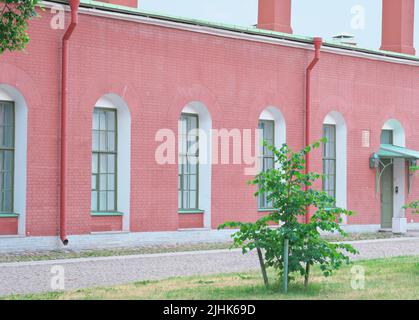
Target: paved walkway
[35, 277]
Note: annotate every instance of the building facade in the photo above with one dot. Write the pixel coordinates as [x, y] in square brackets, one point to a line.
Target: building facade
[132, 74]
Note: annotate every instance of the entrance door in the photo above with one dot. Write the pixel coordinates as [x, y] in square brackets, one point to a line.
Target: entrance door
[386, 195]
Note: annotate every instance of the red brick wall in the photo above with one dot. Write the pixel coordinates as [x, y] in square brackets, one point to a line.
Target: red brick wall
[8, 226]
[105, 224]
[188, 221]
[157, 71]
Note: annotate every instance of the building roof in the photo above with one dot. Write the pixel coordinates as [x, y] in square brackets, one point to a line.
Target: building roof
[234, 28]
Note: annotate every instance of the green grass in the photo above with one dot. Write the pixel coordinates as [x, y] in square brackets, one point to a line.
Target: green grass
[69, 254]
[395, 278]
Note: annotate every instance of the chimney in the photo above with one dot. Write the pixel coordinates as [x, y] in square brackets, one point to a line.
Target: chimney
[275, 15]
[398, 26]
[126, 3]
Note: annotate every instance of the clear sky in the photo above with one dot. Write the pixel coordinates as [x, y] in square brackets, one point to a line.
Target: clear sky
[323, 18]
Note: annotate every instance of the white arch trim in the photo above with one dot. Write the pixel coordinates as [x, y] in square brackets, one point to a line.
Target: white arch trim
[337, 119]
[113, 101]
[274, 114]
[9, 93]
[399, 135]
[205, 157]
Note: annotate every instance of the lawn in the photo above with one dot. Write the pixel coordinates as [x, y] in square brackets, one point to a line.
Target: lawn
[395, 278]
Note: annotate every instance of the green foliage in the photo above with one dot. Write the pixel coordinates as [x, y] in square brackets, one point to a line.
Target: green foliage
[415, 204]
[290, 191]
[14, 16]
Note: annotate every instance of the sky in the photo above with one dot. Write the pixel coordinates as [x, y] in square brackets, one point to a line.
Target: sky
[324, 18]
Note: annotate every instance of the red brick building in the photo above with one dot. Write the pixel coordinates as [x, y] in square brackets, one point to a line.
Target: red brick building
[131, 74]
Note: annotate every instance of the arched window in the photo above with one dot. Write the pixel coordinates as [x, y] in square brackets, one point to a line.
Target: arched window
[194, 149]
[13, 154]
[393, 133]
[273, 131]
[334, 156]
[111, 158]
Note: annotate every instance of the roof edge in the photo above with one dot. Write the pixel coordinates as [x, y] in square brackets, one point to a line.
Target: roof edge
[91, 4]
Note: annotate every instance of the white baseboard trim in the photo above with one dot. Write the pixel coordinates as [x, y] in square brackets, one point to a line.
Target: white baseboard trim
[114, 240]
[413, 226]
[361, 228]
[137, 239]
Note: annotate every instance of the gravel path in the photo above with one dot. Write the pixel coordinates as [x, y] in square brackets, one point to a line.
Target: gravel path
[35, 277]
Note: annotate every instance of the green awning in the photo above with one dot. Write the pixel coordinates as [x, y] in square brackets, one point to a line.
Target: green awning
[389, 151]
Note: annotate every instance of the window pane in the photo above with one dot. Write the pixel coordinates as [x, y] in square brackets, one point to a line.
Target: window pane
[103, 182]
[95, 140]
[193, 122]
[111, 163]
[387, 136]
[102, 120]
[103, 163]
[8, 180]
[185, 200]
[193, 168]
[111, 120]
[94, 201]
[2, 136]
[94, 182]
[192, 182]
[111, 201]
[111, 182]
[8, 207]
[185, 182]
[8, 164]
[111, 141]
[95, 163]
[8, 114]
[95, 124]
[102, 201]
[192, 200]
[9, 136]
[102, 141]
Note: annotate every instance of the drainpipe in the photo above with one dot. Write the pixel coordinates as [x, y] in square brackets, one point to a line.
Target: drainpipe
[317, 45]
[74, 5]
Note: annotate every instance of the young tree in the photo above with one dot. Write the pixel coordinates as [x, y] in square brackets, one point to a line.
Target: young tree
[14, 16]
[289, 189]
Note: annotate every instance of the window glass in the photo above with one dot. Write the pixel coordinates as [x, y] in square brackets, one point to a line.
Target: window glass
[329, 160]
[188, 162]
[387, 136]
[268, 134]
[7, 154]
[104, 155]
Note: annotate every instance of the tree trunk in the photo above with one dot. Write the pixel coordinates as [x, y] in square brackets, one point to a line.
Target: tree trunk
[307, 275]
[262, 267]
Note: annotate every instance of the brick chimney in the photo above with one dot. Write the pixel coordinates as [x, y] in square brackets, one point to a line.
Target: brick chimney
[275, 15]
[398, 26]
[126, 3]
